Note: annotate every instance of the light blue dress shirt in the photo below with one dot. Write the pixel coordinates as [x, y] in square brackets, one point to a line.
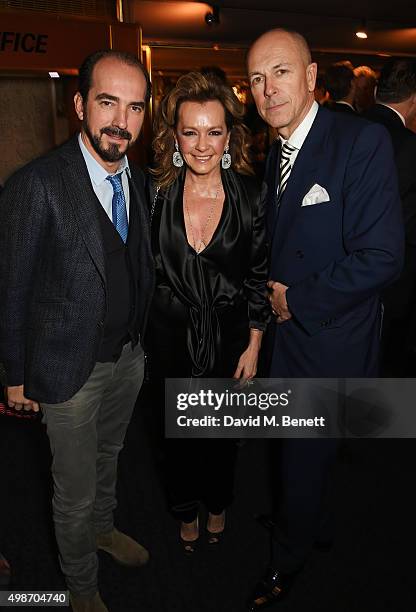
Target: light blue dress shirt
[102, 187]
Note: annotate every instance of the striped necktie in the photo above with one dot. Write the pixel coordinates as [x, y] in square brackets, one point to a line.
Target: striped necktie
[119, 209]
[285, 169]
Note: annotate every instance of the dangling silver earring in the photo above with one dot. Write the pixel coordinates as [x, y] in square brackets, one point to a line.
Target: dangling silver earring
[177, 158]
[226, 159]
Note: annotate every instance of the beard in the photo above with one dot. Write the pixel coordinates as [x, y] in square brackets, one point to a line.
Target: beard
[113, 152]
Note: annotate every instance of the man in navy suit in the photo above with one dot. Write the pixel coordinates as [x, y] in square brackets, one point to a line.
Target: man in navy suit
[336, 239]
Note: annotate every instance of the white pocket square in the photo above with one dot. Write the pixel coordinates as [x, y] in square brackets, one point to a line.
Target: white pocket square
[315, 195]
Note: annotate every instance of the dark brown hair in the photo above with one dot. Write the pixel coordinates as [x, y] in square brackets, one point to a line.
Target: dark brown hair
[397, 80]
[198, 87]
[89, 63]
[339, 78]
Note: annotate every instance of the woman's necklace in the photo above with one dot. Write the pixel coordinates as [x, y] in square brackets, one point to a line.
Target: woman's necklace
[202, 243]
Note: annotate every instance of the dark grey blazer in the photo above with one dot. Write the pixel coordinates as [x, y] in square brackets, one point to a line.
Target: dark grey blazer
[52, 273]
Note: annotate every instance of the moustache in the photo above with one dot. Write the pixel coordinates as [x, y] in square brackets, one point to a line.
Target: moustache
[115, 131]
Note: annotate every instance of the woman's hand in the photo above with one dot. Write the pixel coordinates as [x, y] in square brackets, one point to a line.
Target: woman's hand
[247, 364]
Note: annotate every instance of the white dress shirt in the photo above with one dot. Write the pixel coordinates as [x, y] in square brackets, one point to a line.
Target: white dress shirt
[298, 137]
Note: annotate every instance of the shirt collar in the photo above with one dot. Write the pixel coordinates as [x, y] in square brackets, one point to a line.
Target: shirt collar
[345, 103]
[394, 111]
[299, 135]
[97, 173]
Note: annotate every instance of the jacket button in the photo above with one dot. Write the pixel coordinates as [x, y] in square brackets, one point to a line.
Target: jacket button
[300, 254]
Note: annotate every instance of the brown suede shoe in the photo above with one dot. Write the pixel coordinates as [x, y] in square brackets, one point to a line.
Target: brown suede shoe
[123, 548]
[81, 603]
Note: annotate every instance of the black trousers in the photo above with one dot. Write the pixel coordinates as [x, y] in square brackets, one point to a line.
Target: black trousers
[303, 511]
[196, 470]
[199, 472]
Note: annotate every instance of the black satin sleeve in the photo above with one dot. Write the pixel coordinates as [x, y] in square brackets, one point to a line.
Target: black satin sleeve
[217, 294]
[255, 281]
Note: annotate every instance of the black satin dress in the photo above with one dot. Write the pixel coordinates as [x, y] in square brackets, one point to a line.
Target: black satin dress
[199, 324]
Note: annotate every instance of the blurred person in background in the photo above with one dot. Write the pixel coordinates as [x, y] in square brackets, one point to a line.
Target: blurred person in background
[340, 83]
[320, 92]
[396, 109]
[365, 86]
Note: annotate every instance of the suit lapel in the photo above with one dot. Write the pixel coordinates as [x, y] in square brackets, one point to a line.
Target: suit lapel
[302, 178]
[272, 180]
[83, 202]
[140, 200]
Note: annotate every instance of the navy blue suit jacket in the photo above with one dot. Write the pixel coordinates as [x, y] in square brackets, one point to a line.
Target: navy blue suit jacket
[335, 256]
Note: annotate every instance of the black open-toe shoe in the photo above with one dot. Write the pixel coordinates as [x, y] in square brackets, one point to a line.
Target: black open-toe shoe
[215, 537]
[189, 546]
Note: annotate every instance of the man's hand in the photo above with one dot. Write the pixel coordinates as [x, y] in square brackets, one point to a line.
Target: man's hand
[277, 298]
[16, 399]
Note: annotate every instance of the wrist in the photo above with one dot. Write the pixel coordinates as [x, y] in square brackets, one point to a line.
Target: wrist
[256, 336]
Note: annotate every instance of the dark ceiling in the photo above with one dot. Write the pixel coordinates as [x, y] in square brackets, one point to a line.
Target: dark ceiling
[179, 36]
[401, 11]
[328, 25]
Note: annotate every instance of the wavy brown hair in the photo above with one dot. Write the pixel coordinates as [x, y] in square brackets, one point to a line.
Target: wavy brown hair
[198, 87]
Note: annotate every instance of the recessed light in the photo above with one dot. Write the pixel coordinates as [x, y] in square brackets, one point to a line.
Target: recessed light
[54, 75]
[362, 30]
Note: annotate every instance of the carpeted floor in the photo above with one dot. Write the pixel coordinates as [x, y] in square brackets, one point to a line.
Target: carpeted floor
[370, 568]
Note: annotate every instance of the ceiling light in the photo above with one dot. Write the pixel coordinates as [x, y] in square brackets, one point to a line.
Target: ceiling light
[213, 16]
[54, 75]
[362, 30]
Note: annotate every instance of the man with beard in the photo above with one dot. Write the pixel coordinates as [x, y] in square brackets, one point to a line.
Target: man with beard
[76, 276]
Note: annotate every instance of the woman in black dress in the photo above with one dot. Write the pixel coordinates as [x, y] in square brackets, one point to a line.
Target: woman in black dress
[209, 309]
